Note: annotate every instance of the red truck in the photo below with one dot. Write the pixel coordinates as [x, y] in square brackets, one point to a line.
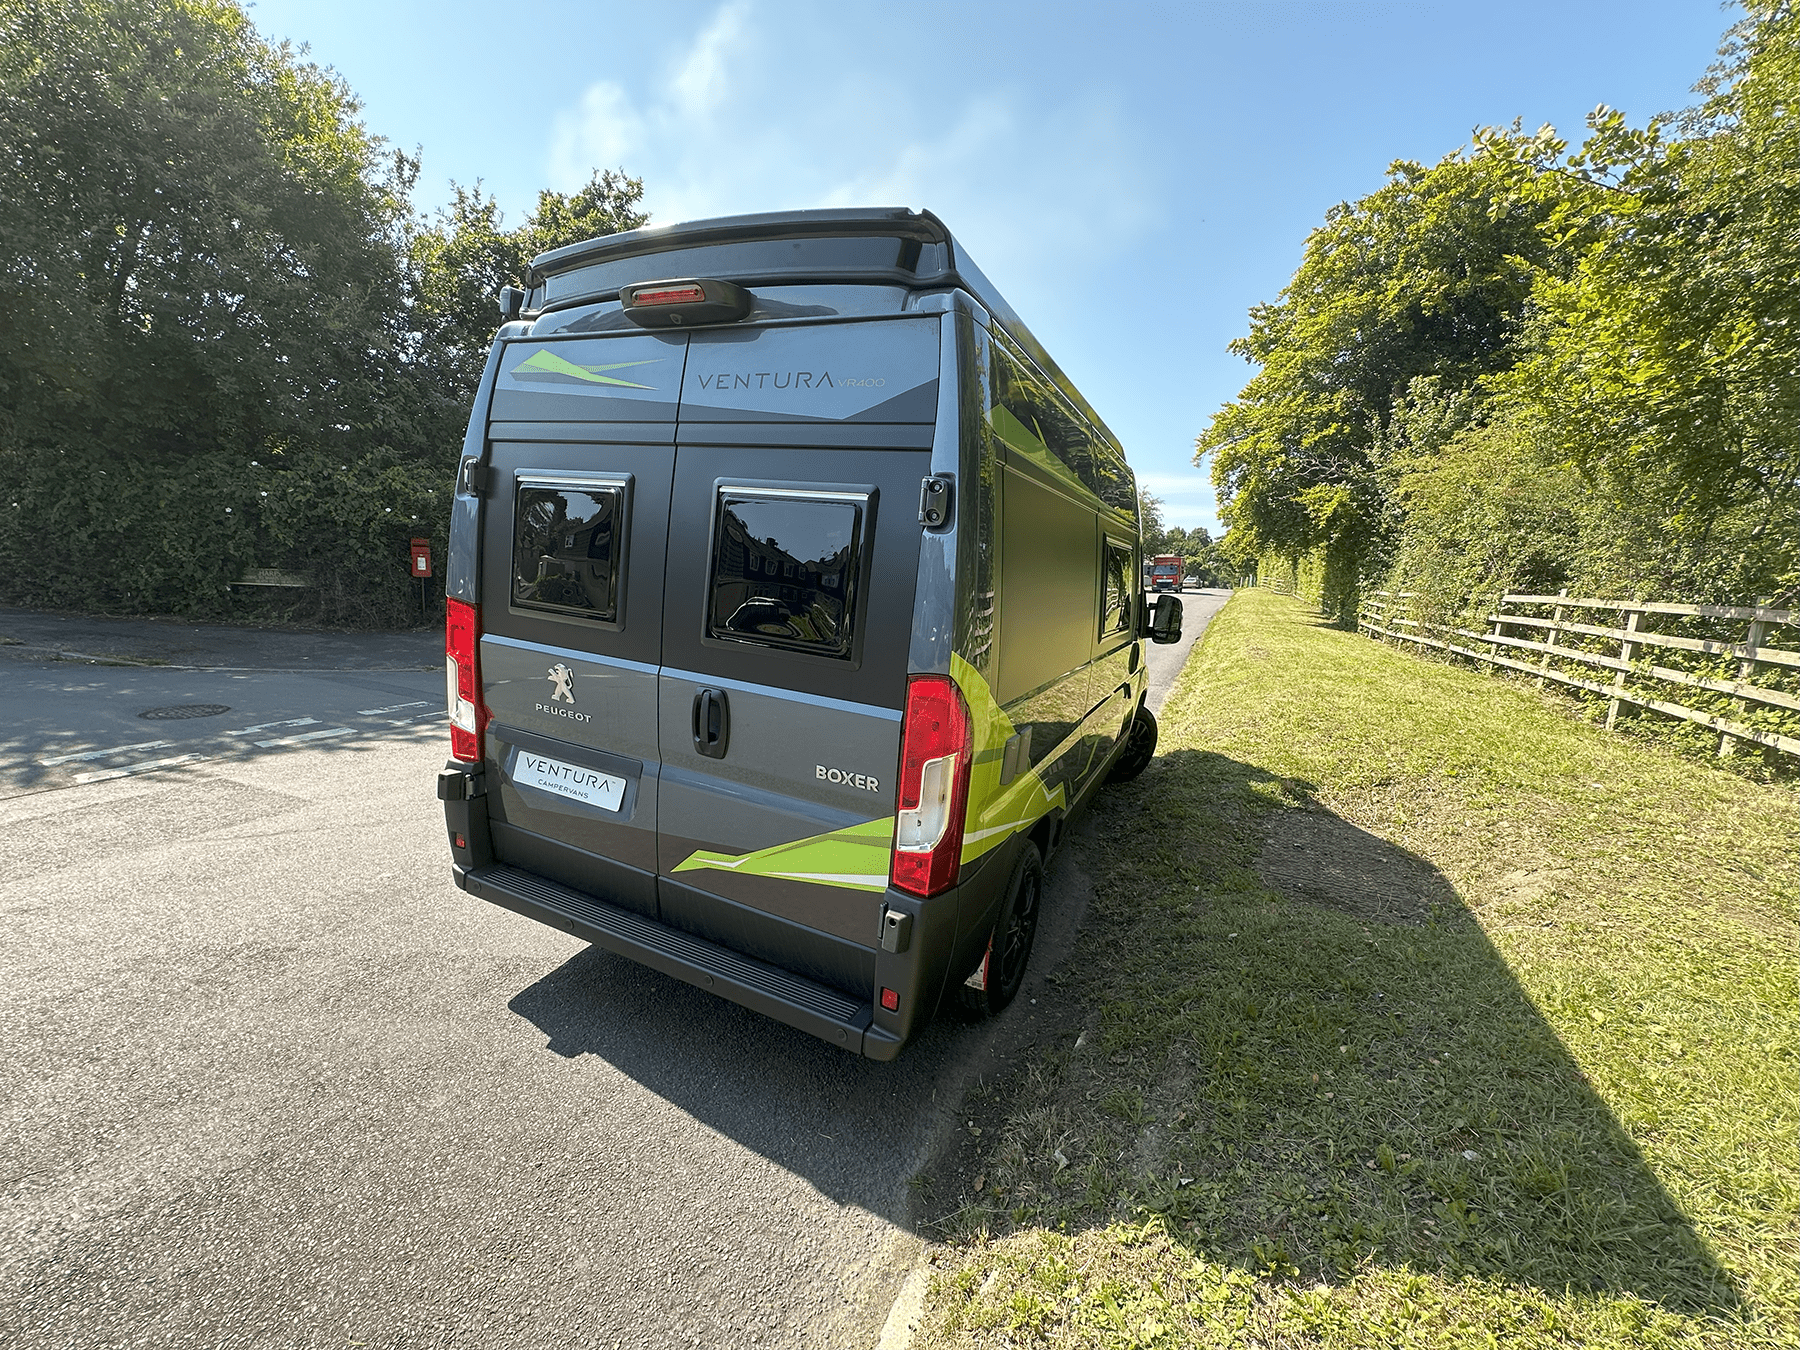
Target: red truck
[1165, 572]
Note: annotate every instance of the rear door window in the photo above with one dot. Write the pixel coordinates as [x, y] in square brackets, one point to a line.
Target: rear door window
[568, 545]
[785, 568]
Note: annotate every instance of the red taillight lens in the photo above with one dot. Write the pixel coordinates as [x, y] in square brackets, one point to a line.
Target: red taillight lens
[934, 786]
[670, 295]
[462, 680]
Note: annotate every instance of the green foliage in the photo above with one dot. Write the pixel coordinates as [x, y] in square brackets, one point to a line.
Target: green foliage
[225, 340]
[1666, 366]
[1426, 277]
[1524, 366]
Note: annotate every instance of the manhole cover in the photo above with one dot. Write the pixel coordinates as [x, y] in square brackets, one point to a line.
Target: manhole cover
[176, 711]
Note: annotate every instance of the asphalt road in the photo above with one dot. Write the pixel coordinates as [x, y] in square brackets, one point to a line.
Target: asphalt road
[269, 1079]
[1165, 663]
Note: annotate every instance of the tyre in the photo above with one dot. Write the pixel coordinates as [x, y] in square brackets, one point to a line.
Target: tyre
[1140, 748]
[1001, 973]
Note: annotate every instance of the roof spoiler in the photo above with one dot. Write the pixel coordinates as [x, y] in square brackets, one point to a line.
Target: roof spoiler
[893, 222]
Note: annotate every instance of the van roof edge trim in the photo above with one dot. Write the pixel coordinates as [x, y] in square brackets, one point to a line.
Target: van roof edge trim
[899, 221]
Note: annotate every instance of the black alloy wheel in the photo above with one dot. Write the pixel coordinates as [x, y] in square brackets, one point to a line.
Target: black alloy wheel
[1140, 748]
[1009, 949]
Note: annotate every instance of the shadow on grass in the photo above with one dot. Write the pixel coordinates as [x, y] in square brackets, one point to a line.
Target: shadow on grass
[1305, 1055]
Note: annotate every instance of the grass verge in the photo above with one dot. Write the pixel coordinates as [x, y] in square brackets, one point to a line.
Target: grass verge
[1407, 1010]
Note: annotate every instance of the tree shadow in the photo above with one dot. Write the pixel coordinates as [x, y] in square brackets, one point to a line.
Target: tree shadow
[1452, 1131]
[1331, 1067]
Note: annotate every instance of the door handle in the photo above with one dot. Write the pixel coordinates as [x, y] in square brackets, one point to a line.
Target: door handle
[712, 723]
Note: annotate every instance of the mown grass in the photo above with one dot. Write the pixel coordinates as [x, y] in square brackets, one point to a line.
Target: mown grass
[1534, 1084]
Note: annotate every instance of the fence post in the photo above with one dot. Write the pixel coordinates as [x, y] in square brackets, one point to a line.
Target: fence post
[1628, 651]
[1556, 618]
[1746, 672]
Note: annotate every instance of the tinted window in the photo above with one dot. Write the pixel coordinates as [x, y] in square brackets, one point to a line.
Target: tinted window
[566, 547]
[784, 570]
[1049, 420]
[1116, 617]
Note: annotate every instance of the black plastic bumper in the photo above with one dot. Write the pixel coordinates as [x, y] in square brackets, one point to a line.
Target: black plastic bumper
[827, 1013]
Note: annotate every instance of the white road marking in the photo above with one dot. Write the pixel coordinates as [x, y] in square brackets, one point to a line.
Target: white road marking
[102, 754]
[422, 717]
[371, 712]
[308, 736]
[130, 769]
[264, 726]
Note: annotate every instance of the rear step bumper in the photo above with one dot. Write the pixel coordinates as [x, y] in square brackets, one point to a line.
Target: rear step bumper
[802, 1003]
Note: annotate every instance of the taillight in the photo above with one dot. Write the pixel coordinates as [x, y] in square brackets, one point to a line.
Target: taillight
[934, 786]
[462, 680]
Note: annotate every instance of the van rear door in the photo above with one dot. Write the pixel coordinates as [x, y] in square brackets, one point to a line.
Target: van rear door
[786, 625]
[573, 547]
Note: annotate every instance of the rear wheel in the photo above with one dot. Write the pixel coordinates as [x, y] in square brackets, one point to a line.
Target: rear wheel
[1001, 973]
[1140, 748]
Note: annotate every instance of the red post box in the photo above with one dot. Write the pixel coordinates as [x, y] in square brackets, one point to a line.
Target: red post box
[421, 557]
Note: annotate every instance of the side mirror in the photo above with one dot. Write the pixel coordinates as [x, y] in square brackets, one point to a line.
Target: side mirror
[1165, 619]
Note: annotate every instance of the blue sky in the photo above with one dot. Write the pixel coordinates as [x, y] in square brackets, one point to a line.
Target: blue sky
[1132, 176]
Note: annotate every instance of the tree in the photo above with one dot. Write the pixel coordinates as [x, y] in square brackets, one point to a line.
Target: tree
[1666, 365]
[1150, 522]
[1428, 276]
[225, 338]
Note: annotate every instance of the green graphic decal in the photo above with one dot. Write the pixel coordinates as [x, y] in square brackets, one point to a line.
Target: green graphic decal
[546, 362]
[996, 813]
[855, 858]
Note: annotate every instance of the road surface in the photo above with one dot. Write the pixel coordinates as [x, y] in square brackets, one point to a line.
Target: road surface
[270, 1079]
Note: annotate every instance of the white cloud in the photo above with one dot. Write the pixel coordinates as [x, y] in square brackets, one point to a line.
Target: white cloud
[821, 114]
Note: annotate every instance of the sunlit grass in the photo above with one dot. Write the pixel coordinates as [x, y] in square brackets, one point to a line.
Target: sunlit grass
[1556, 1105]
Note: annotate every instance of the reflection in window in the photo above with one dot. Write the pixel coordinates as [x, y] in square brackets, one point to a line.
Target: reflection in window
[1116, 617]
[566, 548]
[784, 570]
[1047, 417]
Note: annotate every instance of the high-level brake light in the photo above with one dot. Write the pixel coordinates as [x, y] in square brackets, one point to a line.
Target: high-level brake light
[670, 295]
[683, 302]
[934, 786]
[462, 680]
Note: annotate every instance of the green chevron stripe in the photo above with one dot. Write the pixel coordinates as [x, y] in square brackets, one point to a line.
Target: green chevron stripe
[546, 362]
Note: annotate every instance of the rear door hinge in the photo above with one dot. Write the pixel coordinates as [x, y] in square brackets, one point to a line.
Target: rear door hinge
[474, 478]
[934, 502]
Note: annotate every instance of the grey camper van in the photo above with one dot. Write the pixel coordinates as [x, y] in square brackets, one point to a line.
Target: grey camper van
[794, 606]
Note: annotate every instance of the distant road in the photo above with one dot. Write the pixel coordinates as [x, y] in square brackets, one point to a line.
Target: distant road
[1165, 663]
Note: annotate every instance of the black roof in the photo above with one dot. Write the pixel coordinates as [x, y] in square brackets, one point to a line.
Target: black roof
[893, 246]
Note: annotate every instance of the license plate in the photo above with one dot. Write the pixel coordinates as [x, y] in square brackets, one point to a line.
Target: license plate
[569, 780]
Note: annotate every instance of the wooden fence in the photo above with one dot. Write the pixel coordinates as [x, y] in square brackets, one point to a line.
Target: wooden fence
[1559, 631]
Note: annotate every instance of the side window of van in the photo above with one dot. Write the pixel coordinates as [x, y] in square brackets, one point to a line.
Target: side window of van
[1115, 618]
[1053, 423]
[784, 569]
[567, 546]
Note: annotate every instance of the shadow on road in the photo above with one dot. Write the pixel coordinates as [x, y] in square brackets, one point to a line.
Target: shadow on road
[1326, 1065]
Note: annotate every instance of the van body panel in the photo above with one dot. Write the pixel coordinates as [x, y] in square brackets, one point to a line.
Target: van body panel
[582, 680]
[624, 377]
[600, 873]
[867, 371]
[1046, 630]
[794, 819]
[751, 924]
